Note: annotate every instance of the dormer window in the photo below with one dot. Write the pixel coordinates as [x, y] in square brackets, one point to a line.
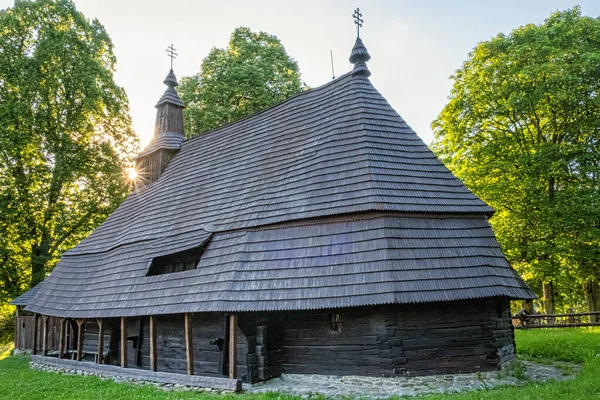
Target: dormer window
[177, 262]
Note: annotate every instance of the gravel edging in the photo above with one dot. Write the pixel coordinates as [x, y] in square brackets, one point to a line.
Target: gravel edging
[516, 373]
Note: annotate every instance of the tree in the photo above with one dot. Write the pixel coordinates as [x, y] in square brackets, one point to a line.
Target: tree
[65, 136]
[521, 129]
[252, 73]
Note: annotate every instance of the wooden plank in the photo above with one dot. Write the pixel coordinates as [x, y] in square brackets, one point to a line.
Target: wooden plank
[537, 316]
[153, 354]
[124, 342]
[80, 338]
[62, 338]
[44, 335]
[100, 356]
[232, 346]
[534, 326]
[35, 329]
[189, 344]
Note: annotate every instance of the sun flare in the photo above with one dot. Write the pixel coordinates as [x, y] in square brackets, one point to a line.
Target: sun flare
[131, 174]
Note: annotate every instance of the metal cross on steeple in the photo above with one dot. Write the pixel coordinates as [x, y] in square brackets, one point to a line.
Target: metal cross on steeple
[171, 53]
[358, 21]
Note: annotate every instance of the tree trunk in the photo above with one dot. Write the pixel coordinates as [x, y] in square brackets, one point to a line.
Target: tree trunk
[39, 260]
[592, 297]
[548, 299]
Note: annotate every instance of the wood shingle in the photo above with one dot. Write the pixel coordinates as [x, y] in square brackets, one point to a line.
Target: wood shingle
[326, 200]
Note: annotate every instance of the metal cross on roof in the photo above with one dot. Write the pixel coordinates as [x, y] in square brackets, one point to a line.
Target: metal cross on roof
[358, 21]
[171, 53]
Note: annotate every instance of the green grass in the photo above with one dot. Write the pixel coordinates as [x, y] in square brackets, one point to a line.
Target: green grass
[561, 344]
[6, 346]
[547, 345]
[17, 381]
[585, 386]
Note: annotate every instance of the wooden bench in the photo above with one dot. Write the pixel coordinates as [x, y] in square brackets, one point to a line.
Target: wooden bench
[90, 347]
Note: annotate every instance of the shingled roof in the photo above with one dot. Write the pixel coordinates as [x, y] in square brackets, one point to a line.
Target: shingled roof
[328, 199]
[24, 299]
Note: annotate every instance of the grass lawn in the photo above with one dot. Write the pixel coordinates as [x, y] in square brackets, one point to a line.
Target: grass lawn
[17, 381]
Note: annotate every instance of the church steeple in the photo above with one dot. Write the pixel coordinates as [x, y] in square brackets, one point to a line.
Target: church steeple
[169, 109]
[359, 55]
[168, 133]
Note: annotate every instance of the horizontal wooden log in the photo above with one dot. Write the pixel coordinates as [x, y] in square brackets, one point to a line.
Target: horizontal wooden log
[537, 316]
[578, 325]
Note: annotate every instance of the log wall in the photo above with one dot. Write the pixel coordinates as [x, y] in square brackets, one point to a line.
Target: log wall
[421, 339]
[390, 340]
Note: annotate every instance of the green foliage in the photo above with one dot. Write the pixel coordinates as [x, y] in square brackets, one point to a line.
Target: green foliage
[522, 130]
[65, 136]
[252, 73]
[7, 323]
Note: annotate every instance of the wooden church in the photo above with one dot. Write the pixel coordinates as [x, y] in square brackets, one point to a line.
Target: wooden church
[319, 236]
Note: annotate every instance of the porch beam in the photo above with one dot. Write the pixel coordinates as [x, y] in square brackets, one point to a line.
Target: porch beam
[100, 357]
[68, 335]
[189, 344]
[45, 335]
[124, 342]
[80, 322]
[61, 338]
[153, 358]
[35, 329]
[232, 346]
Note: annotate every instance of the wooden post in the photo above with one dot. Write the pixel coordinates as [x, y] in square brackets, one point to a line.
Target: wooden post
[68, 335]
[45, 335]
[139, 342]
[100, 357]
[189, 344]
[232, 345]
[153, 359]
[62, 339]
[80, 322]
[35, 329]
[124, 342]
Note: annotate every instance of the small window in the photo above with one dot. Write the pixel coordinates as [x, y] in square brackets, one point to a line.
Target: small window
[337, 322]
[177, 262]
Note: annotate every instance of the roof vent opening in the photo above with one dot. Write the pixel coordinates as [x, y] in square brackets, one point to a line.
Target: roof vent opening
[185, 260]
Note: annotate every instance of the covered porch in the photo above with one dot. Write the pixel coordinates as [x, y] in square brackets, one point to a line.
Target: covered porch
[203, 349]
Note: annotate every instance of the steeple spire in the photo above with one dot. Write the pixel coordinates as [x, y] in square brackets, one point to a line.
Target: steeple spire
[168, 132]
[359, 55]
[171, 52]
[169, 114]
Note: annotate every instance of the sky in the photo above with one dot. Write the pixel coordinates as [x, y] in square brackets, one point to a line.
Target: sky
[415, 46]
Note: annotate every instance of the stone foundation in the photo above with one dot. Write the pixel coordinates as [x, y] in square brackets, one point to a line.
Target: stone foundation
[515, 373]
[138, 376]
